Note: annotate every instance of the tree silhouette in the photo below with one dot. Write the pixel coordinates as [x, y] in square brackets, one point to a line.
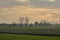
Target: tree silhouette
[27, 21]
[21, 20]
[36, 24]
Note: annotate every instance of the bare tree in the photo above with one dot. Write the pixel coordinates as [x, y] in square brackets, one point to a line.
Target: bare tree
[21, 19]
[27, 20]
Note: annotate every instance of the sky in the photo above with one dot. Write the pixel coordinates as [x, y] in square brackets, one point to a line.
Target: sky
[36, 10]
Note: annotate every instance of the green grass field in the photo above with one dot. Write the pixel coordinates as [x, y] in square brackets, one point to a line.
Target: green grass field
[26, 37]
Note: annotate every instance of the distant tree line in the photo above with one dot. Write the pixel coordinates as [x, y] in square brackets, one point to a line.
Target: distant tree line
[24, 22]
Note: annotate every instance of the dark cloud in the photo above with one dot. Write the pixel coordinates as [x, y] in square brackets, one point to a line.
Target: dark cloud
[45, 4]
[35, 3]
[10, 3]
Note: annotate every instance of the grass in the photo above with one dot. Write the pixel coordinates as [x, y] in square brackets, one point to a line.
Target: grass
[26, 37]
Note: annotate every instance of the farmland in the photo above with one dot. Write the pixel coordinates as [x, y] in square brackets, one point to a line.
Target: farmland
[31, 30]
[29, 33]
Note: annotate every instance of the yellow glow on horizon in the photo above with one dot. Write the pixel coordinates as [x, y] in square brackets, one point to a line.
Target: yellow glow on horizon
[51, 0]
[22, 0]
[35, 14]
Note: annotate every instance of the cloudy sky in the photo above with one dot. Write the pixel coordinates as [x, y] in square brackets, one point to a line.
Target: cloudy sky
[36, 10]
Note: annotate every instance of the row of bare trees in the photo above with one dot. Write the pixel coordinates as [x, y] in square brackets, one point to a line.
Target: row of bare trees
[24, 22]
